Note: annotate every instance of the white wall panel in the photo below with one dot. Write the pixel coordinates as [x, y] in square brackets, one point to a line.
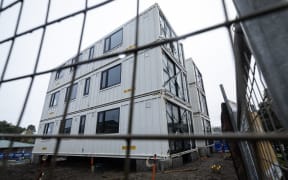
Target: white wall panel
[147, 119]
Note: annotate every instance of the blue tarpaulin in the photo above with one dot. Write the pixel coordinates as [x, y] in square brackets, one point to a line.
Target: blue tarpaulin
[17, 155]
[221, 146]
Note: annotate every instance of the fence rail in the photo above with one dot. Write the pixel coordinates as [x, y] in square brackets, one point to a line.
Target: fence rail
[255, 104]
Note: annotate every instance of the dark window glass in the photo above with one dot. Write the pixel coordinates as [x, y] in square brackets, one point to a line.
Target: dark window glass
[185, 88]
[54, 99]
[162, 26]
[108, 121]
[86, 86]
[198, 77]
[80, 57]
[167, 32]
[169, 115]
[181, 54]
[177, 124]
[204, 105]
[48, 128]
[113, 41]
[67, 126]
[73, 61]
[82, 124]
[189, 119]
[114, 76]
[103, 79]
[91, 53]
[173, 80]
[58, 74]
[107, 44]
[202, 102]
[67, 93]
[111, 77]
[179, 81]
[116, 39]
[73, 93]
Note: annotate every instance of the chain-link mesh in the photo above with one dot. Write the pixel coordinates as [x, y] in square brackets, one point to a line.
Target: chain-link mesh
[258, 122]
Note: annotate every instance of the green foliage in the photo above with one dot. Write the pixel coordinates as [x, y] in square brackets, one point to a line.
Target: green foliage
[6, 127]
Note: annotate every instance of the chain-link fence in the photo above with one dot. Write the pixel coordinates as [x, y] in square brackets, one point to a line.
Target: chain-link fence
[261, 120]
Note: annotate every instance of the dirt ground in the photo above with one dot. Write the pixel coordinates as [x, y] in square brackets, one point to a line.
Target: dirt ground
[196, 170]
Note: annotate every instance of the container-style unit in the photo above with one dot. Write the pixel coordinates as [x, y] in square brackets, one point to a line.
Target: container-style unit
[99, 101]
[201, 119]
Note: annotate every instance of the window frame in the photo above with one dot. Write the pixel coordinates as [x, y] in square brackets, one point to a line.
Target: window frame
[82, 123]
[175, 84]
[202, 103]
[54, 97]
[91, 52]
[67, 92]
[103, 115]
[73, 61]
[58, 74]
[107, 47]
[47, 126]
[106, 74]
[86, 86]
[178, 123]
[65, 128]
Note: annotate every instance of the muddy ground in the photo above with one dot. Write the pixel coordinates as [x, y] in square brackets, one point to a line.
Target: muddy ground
[196, 170]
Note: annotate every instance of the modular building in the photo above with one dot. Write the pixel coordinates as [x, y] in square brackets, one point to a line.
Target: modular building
[100, 96]
[201, 120]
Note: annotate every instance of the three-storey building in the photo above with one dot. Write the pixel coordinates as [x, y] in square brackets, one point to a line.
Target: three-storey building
[100, 96]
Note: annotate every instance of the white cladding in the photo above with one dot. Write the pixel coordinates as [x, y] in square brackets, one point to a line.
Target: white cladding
[148, 119]
[148, 79]
[201, 121]
[152, 94]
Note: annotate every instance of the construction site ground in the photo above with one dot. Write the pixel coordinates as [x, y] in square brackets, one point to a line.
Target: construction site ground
[197, 170]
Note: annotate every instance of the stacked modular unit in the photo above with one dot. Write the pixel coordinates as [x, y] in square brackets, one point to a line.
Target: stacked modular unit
[99, 101]
[201, 119]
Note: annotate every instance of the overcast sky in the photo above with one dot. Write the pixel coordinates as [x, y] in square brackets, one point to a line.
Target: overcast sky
[211, 51]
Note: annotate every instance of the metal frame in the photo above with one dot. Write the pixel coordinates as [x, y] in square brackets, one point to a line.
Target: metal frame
[276, 83]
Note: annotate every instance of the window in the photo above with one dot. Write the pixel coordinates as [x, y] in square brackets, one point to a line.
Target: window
[113, 41]
[111, 77]
[181, 54]
[91, 53]
[54, 99]
[73, 93]
[198, 78]
[82, 124]
[178, 120]
[174, 78]
[185, 87]
[86, 86]
[80, 57]
[108, 121]
[167, 32]
[203, 104]
[48, 128]
[67, 126]
[164, 27]
[72, 62]
[58, 74]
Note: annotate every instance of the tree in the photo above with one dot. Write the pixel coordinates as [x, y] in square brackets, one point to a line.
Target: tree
[9, 128]
[6, 127]
[31, 128]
